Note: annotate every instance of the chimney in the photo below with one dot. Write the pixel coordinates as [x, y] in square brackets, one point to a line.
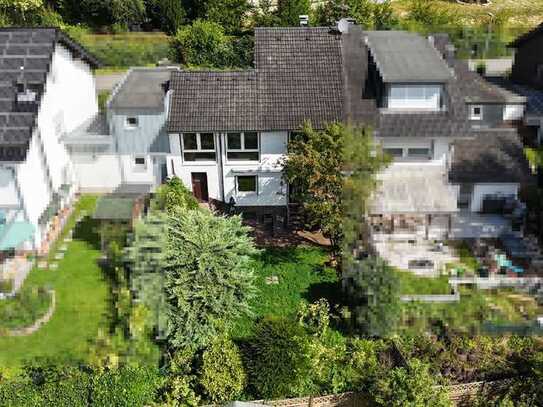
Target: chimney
[304, 20]
[344, 24]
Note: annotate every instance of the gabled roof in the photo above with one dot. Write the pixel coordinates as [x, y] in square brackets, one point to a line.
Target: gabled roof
[214, 101]
[406, 57]
[25, 56]
[142, 89]
[527, 36]
[492, 156]
[298, 77]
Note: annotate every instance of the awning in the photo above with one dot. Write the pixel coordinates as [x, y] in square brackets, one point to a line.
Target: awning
[14, 234]
[405, 189]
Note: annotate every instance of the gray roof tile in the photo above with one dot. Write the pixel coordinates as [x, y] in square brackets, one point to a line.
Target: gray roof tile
[492, 156]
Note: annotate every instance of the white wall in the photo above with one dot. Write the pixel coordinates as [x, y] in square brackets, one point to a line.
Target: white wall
[440, 147]
[69, 99]
[481, 190]
[97, 173]
[513, 112]
[270, 190]
[411, 96]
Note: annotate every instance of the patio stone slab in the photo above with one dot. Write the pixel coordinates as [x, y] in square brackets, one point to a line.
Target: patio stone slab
[53, 266]
[42, 265]
[59, 256]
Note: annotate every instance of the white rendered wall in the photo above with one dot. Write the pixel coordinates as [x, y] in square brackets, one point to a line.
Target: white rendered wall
[481, 190]
[441, 148]
[513, 112]
[97, 173]
[69, 99]
[273, 146]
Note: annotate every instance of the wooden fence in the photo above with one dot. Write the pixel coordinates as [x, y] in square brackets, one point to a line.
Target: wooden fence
[458, 393]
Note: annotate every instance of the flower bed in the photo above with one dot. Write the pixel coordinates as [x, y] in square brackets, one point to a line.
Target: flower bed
[27, 306]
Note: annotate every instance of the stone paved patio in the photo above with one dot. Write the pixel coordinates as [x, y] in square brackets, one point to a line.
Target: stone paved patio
[399, 254]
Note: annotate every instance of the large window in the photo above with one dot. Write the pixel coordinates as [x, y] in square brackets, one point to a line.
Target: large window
[409, 153]
[242, 146]
[247, 183]
[198, 146]
[426, 97]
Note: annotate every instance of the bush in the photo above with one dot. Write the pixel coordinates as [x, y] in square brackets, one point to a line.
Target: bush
[173, 194]
[28, 305]
[279, 360]
[203, 43]
[209, 275]
[128, 54]
[412, 387]
[222, 376]
[372, 290]
[51, 385]
[6, 286]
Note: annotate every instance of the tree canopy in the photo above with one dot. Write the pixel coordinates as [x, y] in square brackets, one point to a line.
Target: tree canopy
[209, 275]
[333, 175]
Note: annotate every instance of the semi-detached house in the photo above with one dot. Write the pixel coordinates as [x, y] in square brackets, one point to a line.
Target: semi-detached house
[449, 132]
[224, 134]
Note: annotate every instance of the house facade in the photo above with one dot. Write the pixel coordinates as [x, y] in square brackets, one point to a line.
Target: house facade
[124, 148]
[229, 130]
[46, 90]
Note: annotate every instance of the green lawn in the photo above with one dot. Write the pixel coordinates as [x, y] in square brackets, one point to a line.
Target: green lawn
[302, 276]
[82, 296]
[410, 284]
[468, 315]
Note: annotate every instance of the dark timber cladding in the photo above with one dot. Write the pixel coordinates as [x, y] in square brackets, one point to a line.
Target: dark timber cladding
[25, 58]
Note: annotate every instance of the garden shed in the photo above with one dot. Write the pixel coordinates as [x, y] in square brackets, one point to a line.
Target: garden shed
[116, 214]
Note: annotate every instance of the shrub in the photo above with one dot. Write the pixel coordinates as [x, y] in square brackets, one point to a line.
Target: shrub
[173, 194]
[127, 386]
[372, 290]
[279, 360]
[6, 286]
[413, 386]
[203, 43]
[289, 11]
[222, 376]
[209, 275]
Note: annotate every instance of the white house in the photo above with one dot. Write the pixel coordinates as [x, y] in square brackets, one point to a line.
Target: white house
[124, 148]
[46, 90]
[229, 130]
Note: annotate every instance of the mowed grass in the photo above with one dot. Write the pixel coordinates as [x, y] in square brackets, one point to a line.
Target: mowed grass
[82, 301]
[410, 284]
[302, 277]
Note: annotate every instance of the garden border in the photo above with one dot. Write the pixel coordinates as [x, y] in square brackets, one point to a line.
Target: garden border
[29, 330]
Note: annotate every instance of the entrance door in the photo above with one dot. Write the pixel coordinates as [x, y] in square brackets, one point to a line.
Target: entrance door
[199, 186]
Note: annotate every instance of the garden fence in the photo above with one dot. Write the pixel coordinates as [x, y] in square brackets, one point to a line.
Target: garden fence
[458, 393]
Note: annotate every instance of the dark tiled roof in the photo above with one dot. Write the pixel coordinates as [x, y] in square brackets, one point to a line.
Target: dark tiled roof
[528, 36]
[476, 89]
[492, 156]
[298, 77]
[406, 57]
[143, 89]
[214, 101]
[25, 56]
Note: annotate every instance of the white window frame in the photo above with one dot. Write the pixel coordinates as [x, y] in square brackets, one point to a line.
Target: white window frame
[199, 148]
[140, 167]
[129, 126]
[472, 115]
[245, 193]
[242, 145]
